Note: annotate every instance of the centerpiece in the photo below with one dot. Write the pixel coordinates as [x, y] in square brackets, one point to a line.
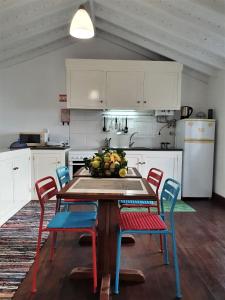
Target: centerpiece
[109, 163]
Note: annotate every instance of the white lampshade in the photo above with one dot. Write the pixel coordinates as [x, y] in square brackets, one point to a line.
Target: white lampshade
[81, 26]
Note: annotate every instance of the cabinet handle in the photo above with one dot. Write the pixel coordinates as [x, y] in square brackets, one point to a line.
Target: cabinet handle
[145, 102]
[143, 163]
[138, 101]
[101, 101]
[139, 163]
[58, 162]
[15, 168]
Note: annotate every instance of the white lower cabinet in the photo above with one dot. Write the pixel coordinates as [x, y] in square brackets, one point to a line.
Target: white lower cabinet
[170, 162]
[15, 190]
[45, 163]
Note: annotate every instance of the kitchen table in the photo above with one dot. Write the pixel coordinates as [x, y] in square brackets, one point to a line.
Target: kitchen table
[107, 191]
[83, 172]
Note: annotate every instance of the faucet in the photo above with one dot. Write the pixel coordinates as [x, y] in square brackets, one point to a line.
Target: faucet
[130, 140]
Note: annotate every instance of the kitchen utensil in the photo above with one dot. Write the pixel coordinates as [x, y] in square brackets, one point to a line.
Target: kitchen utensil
[116, 124]
[186, 112]
[104, 127]
[126, 128]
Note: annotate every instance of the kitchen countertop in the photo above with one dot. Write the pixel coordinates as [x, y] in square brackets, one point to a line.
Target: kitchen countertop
[50, 147]
[143, 149]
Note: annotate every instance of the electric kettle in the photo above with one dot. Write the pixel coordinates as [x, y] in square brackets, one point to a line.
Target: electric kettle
[185, 112]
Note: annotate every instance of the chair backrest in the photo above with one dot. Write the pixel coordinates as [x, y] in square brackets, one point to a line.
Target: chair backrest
[63, 176]
[170, 193]
[154, 178]
[46, 189]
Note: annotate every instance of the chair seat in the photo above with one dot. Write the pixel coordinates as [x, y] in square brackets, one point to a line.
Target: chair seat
[73, 220]
[137, 202]
[141, 221]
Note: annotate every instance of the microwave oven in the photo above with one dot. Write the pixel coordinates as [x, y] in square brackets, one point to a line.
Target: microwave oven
[33, 138]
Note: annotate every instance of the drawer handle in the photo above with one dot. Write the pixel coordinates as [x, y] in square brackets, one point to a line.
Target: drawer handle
[101, 101]
[15, 168]
[143, 163]
[138, 101]
[145, 102]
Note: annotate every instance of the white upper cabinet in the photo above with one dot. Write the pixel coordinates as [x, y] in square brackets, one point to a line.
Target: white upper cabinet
[162, 90]
[124, 90]
[86, 89]
[123, 84]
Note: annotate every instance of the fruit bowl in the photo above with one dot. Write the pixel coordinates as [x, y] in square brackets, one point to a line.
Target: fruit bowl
[107, 164]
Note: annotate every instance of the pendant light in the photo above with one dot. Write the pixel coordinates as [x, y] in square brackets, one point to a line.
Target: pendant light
[81, 26]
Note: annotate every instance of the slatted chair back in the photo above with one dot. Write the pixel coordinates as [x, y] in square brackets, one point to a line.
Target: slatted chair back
[154, 178]
[46, 189]
[170, 193]
[63, 176]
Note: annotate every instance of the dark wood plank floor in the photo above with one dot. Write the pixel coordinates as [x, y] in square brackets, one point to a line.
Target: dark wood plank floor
[201, 250]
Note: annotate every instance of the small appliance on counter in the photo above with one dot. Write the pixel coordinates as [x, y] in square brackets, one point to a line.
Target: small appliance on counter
[185, 112]
[34, 138]
[18, 145]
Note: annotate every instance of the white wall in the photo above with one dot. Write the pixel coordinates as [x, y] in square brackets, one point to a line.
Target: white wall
[29, 91]
[217, 102]
[29, 96]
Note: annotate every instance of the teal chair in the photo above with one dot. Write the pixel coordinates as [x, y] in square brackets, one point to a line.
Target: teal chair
[64, 178]
[148, 223]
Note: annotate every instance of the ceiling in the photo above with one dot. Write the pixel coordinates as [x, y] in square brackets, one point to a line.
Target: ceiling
[191, 32]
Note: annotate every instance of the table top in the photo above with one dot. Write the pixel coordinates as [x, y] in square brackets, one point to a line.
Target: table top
[107, 188]
[83, 172]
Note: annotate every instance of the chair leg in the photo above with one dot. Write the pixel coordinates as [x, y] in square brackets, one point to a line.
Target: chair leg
[118, 257]
[94, 255]
[165, 252]
[36, 263]
[53, 245]
[176, 266]
[161, 243]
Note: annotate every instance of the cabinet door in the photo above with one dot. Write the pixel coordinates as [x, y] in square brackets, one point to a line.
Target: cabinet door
[86, 89]
[161, 91]
[166, 164]
[124, 90]
[6, 190]
[21, 178]
[134, 161]
[44, 165]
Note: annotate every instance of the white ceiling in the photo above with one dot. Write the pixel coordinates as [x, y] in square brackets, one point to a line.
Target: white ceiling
[191, 32]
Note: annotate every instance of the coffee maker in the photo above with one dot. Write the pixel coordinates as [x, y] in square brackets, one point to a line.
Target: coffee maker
[185, 112]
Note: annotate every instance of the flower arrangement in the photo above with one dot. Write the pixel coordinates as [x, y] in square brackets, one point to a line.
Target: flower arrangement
[107, 164]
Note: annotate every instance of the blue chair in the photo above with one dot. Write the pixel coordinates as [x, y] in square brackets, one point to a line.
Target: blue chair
[148, 223]
[64, 178]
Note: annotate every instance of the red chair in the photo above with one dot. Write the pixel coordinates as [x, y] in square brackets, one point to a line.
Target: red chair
[66, 221]
[154, 178]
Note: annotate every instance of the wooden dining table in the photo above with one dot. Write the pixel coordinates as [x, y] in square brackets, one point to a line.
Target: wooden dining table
[108, 191]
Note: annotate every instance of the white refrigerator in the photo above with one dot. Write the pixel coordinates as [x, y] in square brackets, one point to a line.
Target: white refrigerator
[196, 137]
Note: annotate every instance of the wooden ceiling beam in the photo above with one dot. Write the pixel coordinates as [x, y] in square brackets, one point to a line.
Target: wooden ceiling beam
[136, 25]
[176, 26]
[153, 46]
[29, 55]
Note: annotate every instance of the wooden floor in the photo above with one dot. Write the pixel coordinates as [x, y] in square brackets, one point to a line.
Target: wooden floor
[201, 250]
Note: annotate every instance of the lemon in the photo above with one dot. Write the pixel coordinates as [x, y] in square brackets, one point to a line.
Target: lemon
[106, 159]
[122, 172]
[95, 164]
[97, 158]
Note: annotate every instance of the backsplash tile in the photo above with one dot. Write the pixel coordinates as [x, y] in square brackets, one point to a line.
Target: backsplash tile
[86, 131]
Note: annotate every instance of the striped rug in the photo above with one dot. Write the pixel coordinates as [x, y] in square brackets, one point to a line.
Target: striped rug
[18, 238]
